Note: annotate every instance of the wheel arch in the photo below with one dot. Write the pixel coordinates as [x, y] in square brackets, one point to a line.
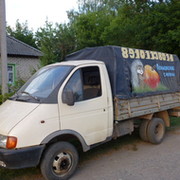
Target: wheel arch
[70, 136]
[164, 116]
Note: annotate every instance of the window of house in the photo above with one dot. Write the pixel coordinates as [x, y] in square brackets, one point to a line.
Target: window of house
[85, 83]
[11, 73]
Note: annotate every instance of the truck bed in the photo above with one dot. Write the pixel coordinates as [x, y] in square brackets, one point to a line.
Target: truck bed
[131, 108]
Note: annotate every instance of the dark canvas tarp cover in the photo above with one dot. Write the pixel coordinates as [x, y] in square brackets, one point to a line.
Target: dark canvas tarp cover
[135, 72]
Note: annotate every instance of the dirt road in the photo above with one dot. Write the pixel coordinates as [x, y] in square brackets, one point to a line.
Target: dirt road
[135, 161]
[127, 158]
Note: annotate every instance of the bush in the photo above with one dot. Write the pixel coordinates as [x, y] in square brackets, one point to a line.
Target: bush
[5, 97]
[12, 89]
[16, 86]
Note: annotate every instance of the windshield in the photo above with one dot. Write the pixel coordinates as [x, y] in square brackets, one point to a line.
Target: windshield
[42, 84]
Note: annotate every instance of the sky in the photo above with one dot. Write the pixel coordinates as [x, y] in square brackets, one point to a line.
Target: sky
[36, 12]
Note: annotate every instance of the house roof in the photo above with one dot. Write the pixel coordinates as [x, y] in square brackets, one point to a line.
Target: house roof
[19, 48]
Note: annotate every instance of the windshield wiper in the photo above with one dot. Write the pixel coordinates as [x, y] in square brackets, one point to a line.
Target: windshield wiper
[34, 97]
[15, 96]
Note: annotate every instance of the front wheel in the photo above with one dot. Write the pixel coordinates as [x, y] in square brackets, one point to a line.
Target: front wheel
[59, 161]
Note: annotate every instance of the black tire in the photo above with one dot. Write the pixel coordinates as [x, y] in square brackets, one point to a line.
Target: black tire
[59, 161]
[156, 131]
[143, 130]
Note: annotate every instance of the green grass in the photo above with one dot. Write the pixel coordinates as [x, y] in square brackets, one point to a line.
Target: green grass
[175, 123]
[20, 174]
[129, 142]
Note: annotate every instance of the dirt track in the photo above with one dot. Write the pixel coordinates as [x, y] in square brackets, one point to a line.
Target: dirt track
[135, 161]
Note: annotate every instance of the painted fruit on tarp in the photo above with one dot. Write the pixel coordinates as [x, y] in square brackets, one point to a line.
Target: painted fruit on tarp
[145, 78]
[151, 77]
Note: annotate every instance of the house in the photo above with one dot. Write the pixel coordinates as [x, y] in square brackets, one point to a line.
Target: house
[22, 60]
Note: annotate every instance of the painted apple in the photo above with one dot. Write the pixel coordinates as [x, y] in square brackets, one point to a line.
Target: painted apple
[151, 77]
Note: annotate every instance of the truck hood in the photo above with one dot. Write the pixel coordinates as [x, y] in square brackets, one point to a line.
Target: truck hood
[12, 112]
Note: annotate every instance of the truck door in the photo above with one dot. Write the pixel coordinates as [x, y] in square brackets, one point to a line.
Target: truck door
[89, 114]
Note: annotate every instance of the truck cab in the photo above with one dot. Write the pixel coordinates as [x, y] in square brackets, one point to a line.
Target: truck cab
[90, 114]
[69, 101]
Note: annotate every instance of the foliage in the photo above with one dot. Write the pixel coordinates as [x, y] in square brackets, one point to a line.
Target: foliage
[89, 27]
[46, 43]
[55, 42]
[175, 122]
[5, 97]
[65, 39]
[145, 24]
[16, 86]
[12, 89]
[151, 28]
[22, 33]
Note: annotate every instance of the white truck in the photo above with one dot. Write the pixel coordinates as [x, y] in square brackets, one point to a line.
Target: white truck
[77, 105]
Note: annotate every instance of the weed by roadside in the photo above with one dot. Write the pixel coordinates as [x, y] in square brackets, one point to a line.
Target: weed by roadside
[21, 174]
[175, 123]
[12, 89]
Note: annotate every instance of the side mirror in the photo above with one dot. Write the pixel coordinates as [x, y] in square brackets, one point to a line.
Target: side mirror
[68, 97]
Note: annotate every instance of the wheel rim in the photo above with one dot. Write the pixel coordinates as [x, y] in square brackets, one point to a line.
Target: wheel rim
[62, 163]
[159, 131]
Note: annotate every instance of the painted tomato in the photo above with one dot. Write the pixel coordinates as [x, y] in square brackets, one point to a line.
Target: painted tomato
[151, 77]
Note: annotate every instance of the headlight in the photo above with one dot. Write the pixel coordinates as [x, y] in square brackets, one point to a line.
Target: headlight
[8, 142]
[3, 140]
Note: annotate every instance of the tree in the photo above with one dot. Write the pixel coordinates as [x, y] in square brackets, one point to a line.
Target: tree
[90, 21]
[55, 42]
[86, 6]
[165, 33]
[65, 39]
[123, 29]
[152, 25]
[89, 27]
[145, 24]
[46, 43]
[22, 33]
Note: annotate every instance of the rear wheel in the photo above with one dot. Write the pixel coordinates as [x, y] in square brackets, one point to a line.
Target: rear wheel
[143, 130]
[156, 131]
[59, 162]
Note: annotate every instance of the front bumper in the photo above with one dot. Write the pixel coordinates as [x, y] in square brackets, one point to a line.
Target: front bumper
[21, 158]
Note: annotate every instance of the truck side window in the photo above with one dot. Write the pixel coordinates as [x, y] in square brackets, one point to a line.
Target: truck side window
[85, 83]
[75, 84]
[91, 82]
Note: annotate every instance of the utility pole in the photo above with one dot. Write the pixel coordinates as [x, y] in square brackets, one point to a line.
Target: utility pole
[3, 47]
